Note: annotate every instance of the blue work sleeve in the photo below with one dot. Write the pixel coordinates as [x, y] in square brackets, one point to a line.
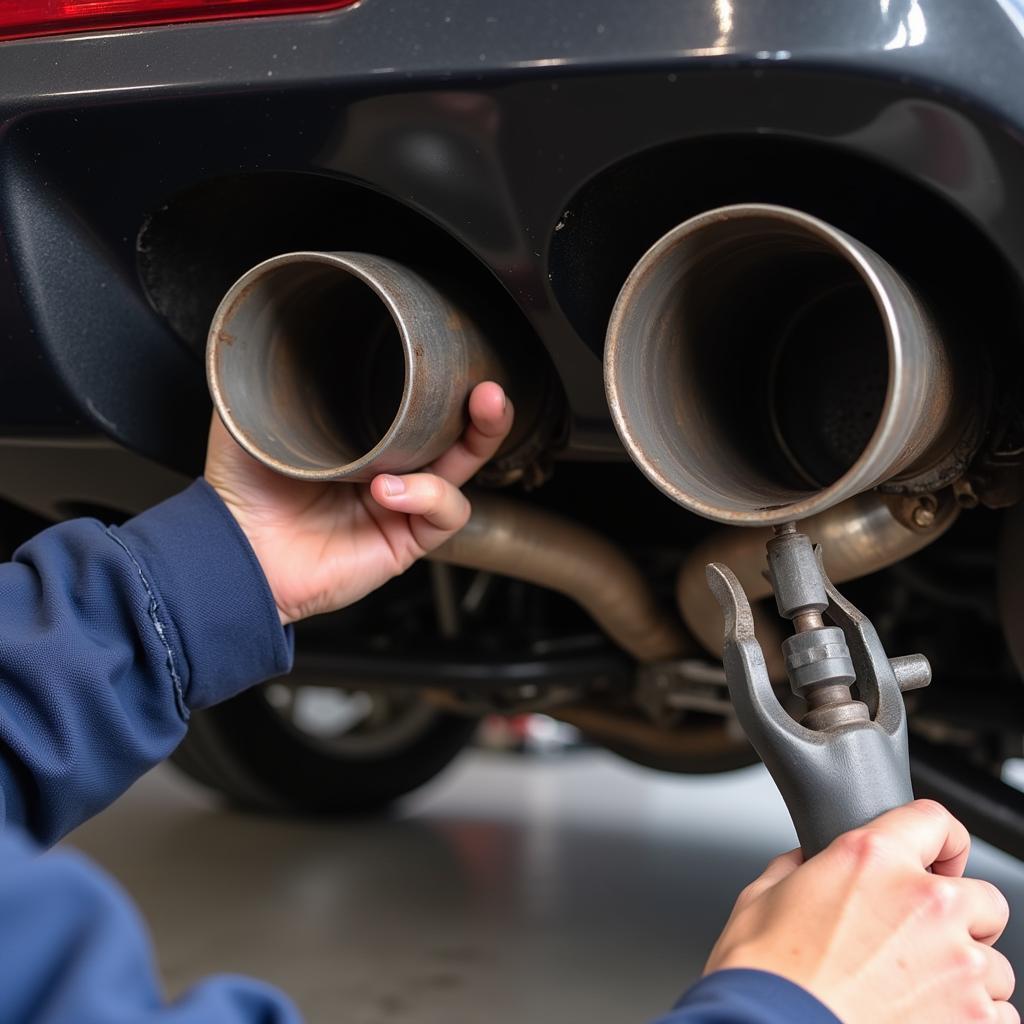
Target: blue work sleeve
[75, 952]
[748, 997]
[108, 637]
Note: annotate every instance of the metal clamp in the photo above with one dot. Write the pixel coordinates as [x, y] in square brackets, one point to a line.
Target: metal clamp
[846, 761]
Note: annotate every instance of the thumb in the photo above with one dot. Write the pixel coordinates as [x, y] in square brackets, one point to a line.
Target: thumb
[779, 869]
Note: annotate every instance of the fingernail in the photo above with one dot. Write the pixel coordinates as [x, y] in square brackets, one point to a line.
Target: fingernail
[504, 401]
[393, 485]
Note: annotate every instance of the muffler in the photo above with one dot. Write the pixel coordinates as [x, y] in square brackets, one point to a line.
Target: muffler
[763, 366]
[343, 365]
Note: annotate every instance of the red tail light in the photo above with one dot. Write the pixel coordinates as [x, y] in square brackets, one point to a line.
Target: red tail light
[20, 18]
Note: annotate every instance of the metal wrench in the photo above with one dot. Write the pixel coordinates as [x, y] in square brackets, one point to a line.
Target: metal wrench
[847, 760]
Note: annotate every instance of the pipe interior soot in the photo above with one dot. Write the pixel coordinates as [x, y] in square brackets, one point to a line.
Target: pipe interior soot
[781, 365]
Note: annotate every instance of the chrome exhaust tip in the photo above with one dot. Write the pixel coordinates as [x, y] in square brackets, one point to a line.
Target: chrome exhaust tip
[762, 366]
[343, 365]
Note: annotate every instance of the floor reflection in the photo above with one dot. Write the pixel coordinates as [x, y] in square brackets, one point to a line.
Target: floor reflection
[575, 887]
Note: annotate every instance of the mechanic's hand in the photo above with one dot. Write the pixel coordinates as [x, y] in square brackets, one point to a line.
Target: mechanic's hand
[865, 927]
[323, 546]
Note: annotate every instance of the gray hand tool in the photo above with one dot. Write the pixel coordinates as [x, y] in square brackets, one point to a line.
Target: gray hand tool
[846, 761]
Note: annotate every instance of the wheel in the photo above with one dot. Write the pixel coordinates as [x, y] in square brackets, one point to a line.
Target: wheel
[289, 748]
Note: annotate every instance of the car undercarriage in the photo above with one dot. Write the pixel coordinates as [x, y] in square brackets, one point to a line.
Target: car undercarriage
[739, 266]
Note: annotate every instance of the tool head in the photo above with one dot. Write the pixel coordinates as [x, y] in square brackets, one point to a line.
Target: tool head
[847, 761]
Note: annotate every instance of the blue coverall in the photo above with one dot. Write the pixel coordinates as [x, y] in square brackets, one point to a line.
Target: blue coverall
[108, 637]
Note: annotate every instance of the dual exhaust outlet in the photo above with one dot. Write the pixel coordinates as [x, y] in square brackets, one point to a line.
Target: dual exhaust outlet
[761, 366]
[341, 365]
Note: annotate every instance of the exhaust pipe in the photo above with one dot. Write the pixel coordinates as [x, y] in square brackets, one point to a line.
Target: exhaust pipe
[343, 365]
[763, 366]
[339, 366]
[529, 543]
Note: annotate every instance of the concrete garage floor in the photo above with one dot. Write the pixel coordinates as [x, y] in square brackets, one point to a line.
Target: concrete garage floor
[572, 888]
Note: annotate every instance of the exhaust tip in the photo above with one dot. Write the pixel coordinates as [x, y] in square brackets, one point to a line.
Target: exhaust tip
[762, 366]
[342, 365]
[308, 363]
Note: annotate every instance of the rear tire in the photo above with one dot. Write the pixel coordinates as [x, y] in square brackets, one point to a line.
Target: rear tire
[249, 752]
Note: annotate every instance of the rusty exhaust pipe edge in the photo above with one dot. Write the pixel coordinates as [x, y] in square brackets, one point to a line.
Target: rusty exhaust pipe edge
[862, 535]
[763, 366]
[343, 365]
[528, 543]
